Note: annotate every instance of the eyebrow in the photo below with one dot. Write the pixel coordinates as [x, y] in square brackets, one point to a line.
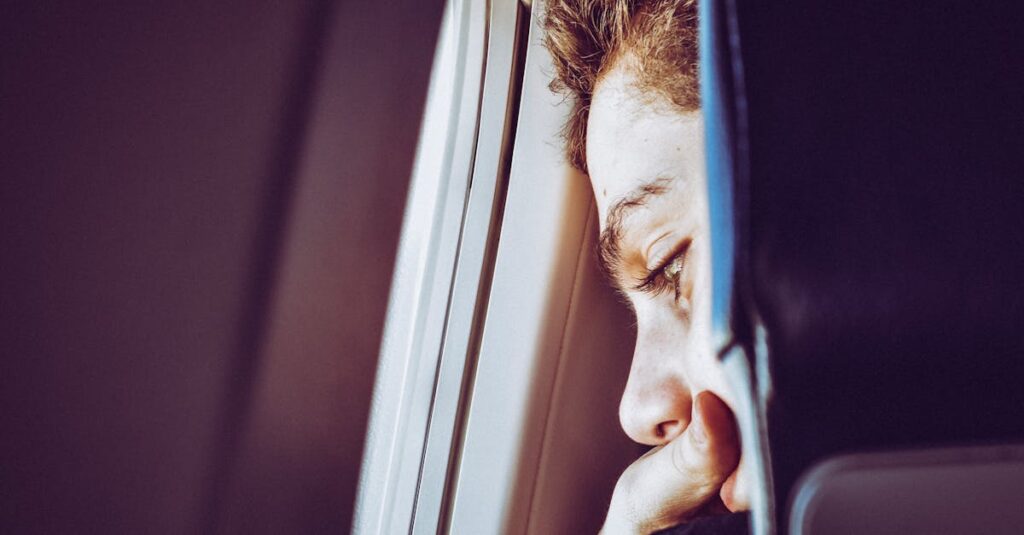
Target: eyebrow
[609, 245]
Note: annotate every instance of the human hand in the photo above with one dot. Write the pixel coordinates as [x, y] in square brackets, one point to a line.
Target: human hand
[677, 481]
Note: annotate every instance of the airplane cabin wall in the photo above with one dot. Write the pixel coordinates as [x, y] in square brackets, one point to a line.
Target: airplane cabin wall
[200, 209]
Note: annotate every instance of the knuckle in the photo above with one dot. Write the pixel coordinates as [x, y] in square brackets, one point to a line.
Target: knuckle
[695, 466]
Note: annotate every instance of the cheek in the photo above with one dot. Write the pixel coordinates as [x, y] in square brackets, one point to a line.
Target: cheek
[705, 372]
[703, 368]
[702, 283]
[667, 339]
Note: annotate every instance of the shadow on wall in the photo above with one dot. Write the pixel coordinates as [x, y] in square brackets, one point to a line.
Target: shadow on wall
[584, 448]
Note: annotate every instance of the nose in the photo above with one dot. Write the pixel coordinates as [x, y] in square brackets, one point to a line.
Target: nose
[656, 404]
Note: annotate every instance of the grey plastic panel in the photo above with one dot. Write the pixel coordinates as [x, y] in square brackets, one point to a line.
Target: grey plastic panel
[950, 491]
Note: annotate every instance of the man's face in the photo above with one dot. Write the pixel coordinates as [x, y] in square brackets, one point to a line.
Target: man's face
[646, 165]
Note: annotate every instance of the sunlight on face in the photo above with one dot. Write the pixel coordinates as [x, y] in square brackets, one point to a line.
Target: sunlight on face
[646, 163]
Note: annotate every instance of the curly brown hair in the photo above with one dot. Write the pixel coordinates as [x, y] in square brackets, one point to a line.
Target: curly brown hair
[587, 38]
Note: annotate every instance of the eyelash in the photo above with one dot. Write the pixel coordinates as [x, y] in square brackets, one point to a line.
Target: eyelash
[658, 281]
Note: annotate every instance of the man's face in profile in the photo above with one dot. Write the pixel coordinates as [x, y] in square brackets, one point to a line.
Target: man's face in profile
[646, 166]
[637, 130]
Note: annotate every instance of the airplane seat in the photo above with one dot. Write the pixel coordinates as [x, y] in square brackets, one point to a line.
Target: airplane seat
[874, 156]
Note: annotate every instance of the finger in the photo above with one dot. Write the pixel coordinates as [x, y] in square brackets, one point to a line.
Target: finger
[671, 483]
[708, 452]
[735, 491]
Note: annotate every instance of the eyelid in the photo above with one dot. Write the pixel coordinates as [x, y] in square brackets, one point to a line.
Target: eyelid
[650, 282]
[660, 251]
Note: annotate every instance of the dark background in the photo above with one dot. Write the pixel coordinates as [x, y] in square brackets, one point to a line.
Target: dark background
[200, 203]
[881, 216]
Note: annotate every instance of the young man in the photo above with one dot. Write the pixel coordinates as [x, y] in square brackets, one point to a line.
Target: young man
[636, 129]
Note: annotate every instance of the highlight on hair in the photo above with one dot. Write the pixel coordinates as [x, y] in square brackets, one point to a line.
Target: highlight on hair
[657, 39]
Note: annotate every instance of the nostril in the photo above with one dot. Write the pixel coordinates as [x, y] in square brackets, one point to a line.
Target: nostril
[668, 430]
[654, 410]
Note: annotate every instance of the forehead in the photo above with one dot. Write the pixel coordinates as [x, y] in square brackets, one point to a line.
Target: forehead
[634, 138]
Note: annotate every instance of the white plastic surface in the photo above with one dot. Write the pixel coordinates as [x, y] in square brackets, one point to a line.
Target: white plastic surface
[542, 447]
[468, 292]
[422, 281]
